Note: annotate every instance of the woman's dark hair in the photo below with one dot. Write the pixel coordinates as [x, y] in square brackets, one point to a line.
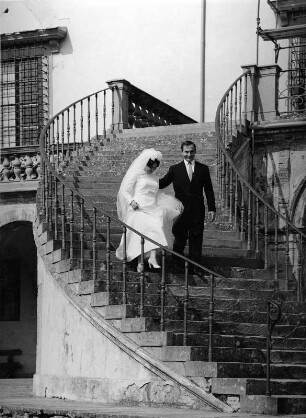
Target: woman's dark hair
[187, 143]
[151, 162]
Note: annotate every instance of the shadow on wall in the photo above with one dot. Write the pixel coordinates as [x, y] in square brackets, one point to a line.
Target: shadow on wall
[18, 300]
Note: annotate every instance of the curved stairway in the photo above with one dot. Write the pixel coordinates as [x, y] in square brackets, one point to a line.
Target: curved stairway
[237, 373]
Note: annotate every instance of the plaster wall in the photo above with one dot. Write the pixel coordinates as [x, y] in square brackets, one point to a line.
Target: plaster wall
[74, 359]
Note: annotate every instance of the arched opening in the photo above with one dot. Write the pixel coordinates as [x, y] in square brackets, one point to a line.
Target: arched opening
[18, 300]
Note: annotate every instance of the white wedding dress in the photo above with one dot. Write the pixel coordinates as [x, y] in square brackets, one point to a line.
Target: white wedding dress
[154, 218]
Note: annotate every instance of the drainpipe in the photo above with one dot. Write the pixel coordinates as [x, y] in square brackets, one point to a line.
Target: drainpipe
[203, 46]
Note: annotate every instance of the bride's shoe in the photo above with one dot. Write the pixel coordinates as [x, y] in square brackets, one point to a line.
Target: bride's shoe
[153, 264]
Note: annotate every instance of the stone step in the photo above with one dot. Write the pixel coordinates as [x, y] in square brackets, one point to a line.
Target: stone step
[153, 324]
[115, 311]
[115, 156]
[116, 231]
[291, 404]
[197, 294]
[207, 242]
[246, 355]
[237, 370]
[175, 312]
[278, 387]
[242, 386]
[159, 339]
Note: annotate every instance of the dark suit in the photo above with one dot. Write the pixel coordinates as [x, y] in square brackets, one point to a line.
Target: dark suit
[190, 193]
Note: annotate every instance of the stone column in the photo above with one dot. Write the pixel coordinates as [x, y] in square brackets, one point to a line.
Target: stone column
[262, 90]
[121, 103]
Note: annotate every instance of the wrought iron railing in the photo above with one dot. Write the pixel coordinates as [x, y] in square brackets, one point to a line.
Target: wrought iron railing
[71, 215]
[273, 237]
[68, 211]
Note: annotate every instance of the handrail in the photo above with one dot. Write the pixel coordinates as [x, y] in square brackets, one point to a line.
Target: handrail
[229, 171]
[76, 192]
[53, 208]
[229, 159]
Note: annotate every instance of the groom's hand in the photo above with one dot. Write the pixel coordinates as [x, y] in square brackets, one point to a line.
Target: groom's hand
[211, 215]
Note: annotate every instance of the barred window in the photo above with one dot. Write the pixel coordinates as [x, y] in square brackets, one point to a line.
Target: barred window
[24, 95]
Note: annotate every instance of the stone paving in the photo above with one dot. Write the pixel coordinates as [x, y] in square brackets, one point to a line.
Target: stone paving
[16, 401]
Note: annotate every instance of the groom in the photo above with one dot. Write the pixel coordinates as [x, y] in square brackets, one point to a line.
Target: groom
[189, 178]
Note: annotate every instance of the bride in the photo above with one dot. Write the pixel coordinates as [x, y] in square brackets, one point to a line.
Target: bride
[143, 207]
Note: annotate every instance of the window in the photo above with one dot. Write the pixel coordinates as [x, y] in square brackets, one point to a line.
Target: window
[24, 95]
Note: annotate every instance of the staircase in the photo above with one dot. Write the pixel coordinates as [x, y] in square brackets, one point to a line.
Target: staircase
[235, 296]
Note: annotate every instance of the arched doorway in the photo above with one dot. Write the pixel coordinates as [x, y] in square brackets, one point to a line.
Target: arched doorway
[18, 299]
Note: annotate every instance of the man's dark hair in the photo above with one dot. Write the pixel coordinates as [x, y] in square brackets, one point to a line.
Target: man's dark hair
[187, 143]
[151, 162]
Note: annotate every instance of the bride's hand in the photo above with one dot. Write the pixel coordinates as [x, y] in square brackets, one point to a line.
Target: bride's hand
[134, 205]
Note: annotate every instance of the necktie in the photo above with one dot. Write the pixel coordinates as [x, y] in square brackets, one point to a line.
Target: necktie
[189, 171]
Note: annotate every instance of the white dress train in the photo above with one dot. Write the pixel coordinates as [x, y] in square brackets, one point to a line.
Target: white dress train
[154, 218]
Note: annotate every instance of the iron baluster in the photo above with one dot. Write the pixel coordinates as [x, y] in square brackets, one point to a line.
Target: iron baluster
[82, 124]
[185, 303]
[274, 313]
[287, 257]
[113, 109]
[68, 132]
[257, 252]
[104, 114]
[235, 106]
[57, 143]
[276, 248]
[249, 210]
[227, 121]
[124, 268]
[63, 218]
[71, 222]
[240, 104]
[94, 245]
[242, 212]
[236, 202]
[48, 145]
[226, 187]
[53, 144]
[108, 254]
[141, 307]
[245, 98]
[220, 172]
[162, 292]
[47, 195]
[231, 194]
[82, 234]
[96, 115]
[63, 136]
[224, 123]
[222, 180]
[88, 120]
[211, 318]
[231, 114]
[55, 208]
[74, 129]
[43, 188]
[50, 210]
[300, 287]
[266, 235]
